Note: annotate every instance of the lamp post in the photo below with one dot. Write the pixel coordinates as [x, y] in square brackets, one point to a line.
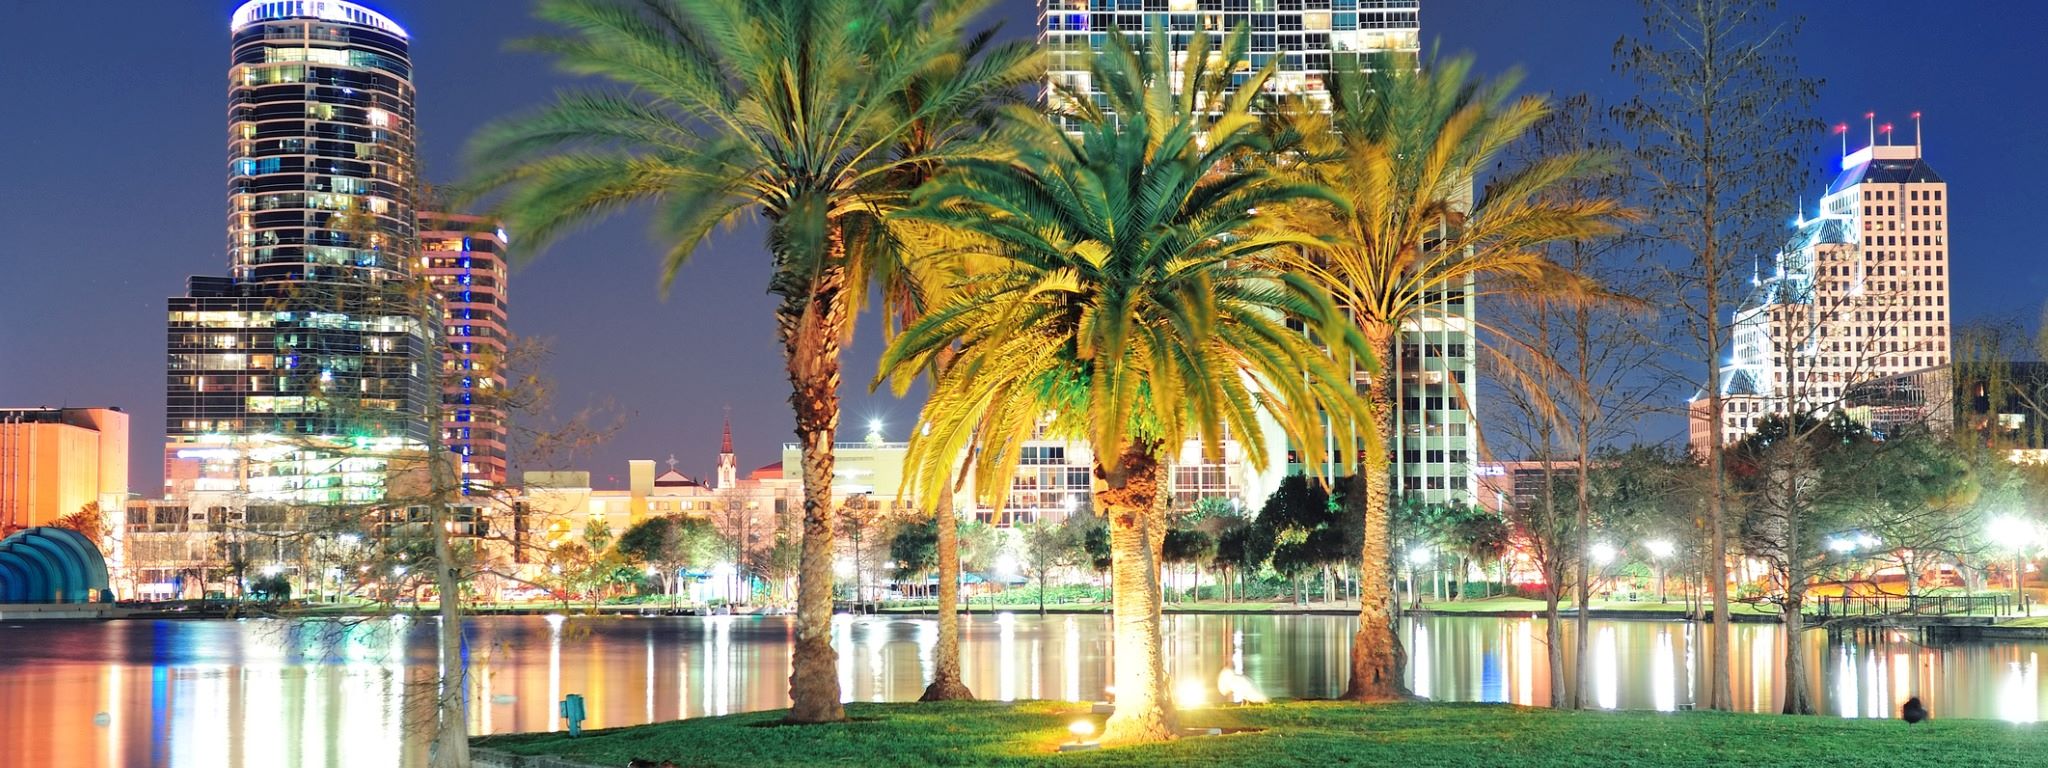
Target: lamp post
[2016, 533]
[1660, 550]
[1417, 556]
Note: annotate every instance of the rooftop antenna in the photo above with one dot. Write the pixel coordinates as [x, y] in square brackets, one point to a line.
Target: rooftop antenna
[1916, 129]
[1842, 130]
[1886, 129]
[1870, 118]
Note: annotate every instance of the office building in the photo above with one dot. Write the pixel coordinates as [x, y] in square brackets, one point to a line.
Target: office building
[296, 378]
[1858, 294]
[464, 259]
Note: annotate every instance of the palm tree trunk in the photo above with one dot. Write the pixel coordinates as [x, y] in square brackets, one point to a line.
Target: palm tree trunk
[1137, 526]
[946, 684]
[811, 323]
[1376, 647]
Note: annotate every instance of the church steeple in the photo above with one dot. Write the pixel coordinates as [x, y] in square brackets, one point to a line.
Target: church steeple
[728, 464]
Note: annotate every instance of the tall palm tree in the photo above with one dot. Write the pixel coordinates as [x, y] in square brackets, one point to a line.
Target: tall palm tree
[793, 110]
[1124, 304]
[1404, 144]
[909, 282]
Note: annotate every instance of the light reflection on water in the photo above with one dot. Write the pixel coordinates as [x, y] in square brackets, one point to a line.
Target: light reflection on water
[212, 693]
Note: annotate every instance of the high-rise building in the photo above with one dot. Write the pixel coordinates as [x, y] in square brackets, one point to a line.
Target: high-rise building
[464, 259]
[1433, 447]
[288, 379]
[1303, 35]
[1858, 294]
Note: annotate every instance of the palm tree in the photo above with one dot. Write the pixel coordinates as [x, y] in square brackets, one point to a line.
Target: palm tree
[1403, 145]
[793, 110]
[908, 282]
[1123, 305]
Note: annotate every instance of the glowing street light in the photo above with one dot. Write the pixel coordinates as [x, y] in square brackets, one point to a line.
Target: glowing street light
[1660, 550]
[1416, 556]
[1602, 553]
[2016, 532]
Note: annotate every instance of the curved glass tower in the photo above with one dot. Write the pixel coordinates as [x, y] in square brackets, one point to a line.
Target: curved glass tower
[292, 380]
[320, 143]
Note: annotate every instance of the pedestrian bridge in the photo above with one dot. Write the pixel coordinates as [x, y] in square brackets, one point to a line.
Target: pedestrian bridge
[51, 565]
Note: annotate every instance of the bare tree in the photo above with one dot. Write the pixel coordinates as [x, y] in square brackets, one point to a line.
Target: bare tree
[1720, 120]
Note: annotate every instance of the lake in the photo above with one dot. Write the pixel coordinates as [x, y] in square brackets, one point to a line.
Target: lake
[206, 694]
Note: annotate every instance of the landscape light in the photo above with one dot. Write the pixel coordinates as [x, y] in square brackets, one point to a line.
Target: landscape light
[1418, 556]
[1082, 731]
[1660, 548]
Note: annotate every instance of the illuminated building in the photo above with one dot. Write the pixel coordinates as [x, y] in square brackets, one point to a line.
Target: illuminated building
[297, 377]
[55, 461]
[1303, 35]
[1434, 441]
[1857, 295]
[464, 259]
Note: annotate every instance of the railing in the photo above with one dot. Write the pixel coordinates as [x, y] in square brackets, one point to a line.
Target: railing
[1849, 606]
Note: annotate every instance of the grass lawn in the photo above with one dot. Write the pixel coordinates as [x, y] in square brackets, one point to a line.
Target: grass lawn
[1304, 733]
[2034, 621]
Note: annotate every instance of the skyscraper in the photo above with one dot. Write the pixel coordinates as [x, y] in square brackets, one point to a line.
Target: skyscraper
[288, 377]
[1432, 451]
[1859, 293]
[464, 259]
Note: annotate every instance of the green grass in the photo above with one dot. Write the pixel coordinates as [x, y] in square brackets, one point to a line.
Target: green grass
[1303, 733]
[2034, 621]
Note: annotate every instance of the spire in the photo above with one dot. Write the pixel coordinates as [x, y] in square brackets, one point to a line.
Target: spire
[725, 444]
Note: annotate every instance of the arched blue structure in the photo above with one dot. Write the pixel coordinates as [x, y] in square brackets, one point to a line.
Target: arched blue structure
[50, 565]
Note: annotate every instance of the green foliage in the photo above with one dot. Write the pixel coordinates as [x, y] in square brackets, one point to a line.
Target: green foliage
[1095, 543]
[1299, 529]
[1049, 546]
[1123, 292]
[672, 542]
[1187, 545]
[915, 548]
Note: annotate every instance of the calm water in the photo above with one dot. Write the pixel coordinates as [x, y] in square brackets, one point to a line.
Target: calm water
[200, 694]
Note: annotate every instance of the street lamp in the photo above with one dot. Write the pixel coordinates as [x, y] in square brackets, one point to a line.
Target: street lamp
[1416, 556]
[2015, 532]
[1660, 550]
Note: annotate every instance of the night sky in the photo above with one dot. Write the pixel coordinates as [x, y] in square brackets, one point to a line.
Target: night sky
[113, 171]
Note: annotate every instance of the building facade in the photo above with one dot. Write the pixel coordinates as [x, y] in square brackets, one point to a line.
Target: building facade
[1857, 295]
[463, 257]
[56, 461]
[287, 379]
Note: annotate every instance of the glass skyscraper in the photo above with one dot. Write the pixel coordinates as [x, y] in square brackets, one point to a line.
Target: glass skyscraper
[290, 378]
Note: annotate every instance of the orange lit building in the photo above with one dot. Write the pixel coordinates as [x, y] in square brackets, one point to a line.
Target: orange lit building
[54, 461]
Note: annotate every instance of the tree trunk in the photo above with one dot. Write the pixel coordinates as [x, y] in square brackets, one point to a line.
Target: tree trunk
[1137, 526]
[1553, 635]
[451, 734]
[1376, 657]
[1584, 687]
[1798, 701]
[946, 683]
[811, 322]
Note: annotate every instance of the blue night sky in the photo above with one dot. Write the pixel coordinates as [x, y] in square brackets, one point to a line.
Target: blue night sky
[112, 191]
